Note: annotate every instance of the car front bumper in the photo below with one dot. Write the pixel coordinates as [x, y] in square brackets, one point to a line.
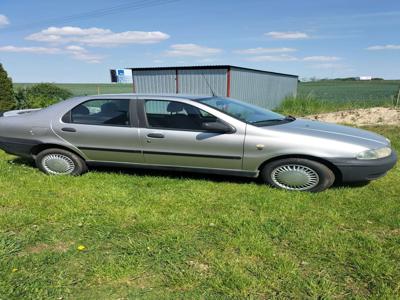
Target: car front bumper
[356, 170]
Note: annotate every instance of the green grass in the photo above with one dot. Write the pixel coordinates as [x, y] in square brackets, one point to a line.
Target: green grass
[82, 89]
[160, 235]
[299, 106]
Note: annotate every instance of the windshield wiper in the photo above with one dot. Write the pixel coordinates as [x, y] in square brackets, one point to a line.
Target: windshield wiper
[287, 118]
[268, 120]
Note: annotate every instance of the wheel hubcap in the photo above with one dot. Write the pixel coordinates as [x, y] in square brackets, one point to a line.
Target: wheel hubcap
[295, 177]
[58, 164]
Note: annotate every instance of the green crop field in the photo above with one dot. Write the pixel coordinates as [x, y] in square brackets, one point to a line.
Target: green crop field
[342, 91]
[119, 234]
[334, 95]
[82, 89]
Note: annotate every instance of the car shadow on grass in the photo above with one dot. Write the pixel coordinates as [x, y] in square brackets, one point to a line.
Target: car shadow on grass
[136, 171]
[176, 174]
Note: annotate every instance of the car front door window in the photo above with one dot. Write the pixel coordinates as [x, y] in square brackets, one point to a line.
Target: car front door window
[176, 115]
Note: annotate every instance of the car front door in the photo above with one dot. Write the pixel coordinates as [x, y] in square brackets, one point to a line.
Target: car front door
[173, 134]
[104, 130]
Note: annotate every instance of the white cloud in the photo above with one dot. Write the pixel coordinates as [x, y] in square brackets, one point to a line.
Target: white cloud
[272, 58]
[76, 52]
[34, 50]
[260, 50]
[4, 21]
[191, 50]
[321, 58]
[96, 36]
[288, 35]
[384, 47]
[80, 53]
[74, 48]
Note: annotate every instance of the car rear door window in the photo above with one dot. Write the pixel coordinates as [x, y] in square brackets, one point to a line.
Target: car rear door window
[176, 115]
[113, 112]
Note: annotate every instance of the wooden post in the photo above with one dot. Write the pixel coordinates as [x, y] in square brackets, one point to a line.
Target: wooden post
[398, 98]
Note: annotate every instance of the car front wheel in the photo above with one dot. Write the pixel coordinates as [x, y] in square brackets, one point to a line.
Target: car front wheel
[298, 174]
[60, 162]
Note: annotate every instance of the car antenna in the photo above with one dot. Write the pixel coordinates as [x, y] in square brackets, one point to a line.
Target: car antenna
[208, 84]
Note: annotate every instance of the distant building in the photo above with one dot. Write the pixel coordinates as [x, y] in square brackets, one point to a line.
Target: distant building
[262, 88]
[365, 78]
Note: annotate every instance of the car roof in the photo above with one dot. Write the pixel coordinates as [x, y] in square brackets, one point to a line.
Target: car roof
[71, 102]
[175, 96]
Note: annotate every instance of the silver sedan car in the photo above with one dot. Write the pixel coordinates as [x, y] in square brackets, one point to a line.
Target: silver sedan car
[199, 134]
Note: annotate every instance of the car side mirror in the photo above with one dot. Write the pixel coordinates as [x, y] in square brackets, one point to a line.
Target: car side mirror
[217, 127]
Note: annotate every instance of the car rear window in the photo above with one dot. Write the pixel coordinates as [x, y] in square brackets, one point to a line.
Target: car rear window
[113, 112]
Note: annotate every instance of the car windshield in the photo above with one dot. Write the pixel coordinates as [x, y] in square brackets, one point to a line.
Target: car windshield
[243, 111]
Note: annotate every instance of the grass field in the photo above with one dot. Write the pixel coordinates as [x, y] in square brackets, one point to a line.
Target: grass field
[349, 91]
[83, 89]
[154, 235]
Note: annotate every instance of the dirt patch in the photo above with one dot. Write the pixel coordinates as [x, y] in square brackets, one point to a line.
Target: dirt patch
[199, 267]
[360, 117]
[59, 247]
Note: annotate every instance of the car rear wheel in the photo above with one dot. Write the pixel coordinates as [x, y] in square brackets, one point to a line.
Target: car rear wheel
[60, 162]
[298, 174]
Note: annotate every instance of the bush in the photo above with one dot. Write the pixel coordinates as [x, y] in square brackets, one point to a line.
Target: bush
[7, 97]
[40, 95]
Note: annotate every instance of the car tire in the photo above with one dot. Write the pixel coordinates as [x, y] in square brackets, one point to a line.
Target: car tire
[298, 174]
[60, 162]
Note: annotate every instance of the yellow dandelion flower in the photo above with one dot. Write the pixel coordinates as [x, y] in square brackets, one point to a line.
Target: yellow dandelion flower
[81, 247]
[14, 270]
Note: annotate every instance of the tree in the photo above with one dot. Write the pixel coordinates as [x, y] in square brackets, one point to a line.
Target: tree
[7, 97]
[40, 95]
[50, 91]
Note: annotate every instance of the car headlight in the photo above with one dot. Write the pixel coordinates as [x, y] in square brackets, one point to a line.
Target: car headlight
[375, 154]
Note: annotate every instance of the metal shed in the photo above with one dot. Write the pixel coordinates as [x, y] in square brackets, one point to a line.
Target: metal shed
[262, 88]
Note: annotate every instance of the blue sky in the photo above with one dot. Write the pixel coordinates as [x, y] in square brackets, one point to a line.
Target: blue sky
[309, 38]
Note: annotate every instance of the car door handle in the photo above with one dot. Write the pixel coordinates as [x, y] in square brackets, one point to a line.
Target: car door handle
[156, 135]
[68, 129]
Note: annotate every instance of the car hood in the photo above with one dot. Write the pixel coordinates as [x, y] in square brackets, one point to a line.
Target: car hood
[332, 131]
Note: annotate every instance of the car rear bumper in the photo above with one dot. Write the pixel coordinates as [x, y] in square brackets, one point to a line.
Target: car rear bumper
[355, 170]
[19, 147]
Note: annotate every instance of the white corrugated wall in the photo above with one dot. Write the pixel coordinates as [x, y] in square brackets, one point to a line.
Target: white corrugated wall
[262, 89]
[194, 82]
[154, 81]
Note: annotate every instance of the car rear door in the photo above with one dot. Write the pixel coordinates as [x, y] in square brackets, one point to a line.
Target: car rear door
[171, 135]
[103, 129]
